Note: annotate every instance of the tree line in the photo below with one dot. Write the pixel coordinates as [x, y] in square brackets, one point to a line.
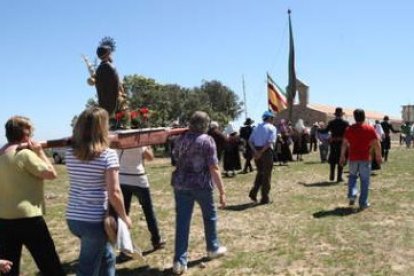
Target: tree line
[172, 102]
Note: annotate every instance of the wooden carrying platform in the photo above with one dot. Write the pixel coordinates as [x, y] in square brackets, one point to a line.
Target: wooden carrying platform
[126, 139]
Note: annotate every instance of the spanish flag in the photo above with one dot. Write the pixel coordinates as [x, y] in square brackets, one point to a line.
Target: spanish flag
[276, 97]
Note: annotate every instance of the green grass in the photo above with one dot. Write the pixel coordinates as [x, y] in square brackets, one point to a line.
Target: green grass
[308, 230]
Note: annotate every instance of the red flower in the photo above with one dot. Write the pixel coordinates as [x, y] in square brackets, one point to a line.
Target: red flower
[143, 110]
[119, 115]
[134, 114]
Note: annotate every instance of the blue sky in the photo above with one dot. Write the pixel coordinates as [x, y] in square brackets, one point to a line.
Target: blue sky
[351, 53]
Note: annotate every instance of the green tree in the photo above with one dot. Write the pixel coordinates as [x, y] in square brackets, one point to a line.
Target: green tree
[225, 104]
[171, 102]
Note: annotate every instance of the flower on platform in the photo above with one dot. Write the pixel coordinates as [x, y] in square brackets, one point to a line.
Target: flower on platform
[139, 117]
[143, 110]
[119, 115]
[134, 114]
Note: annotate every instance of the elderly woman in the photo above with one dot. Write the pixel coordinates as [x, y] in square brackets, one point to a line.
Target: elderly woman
[22, 205]
[93, 174]
[196, 174]
[301, 135]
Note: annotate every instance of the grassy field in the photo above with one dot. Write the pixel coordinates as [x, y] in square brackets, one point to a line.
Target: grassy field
[307, 230]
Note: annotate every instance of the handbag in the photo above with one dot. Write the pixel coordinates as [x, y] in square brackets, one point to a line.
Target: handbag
[111, 225]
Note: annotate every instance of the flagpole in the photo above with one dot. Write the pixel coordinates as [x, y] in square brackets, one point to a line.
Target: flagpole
[244, 98]
[292, 74]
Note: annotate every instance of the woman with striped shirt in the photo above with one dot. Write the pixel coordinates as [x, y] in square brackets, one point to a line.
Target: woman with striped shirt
[93, 173]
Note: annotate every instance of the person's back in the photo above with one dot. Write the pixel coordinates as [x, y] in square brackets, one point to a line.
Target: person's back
[192, 166]
[107, 86]
[337, 128]
[22, 200]
[88, 192]
[21, 187]
[358, 141]
[94, 191]
[263, 133]
[360, 137]
[196, 174]
[245, 132]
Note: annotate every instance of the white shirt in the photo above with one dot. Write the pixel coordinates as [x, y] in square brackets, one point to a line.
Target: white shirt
[131, 167]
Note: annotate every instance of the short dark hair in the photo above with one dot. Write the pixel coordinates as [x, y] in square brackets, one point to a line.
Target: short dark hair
[359, 115]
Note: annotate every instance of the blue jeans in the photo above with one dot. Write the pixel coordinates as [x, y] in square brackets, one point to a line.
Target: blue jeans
[363, 170]
[96, 257]
[184, 205]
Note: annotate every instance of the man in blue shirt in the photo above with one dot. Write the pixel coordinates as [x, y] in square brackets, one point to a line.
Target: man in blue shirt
[261, 142]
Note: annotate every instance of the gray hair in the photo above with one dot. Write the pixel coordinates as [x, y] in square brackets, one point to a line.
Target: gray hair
[199, 122]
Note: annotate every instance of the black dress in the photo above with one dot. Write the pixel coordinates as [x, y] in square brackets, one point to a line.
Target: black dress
[231, 161]
[337, 128]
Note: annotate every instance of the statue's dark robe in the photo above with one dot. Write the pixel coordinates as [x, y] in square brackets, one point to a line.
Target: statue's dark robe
[107, 86]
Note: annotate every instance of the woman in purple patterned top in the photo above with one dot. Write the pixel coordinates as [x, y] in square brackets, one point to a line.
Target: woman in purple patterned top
[197, 172]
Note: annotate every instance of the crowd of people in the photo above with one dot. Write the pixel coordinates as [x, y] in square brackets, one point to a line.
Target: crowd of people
[103, 181]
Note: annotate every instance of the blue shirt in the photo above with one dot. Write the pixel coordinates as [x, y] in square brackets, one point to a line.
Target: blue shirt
[264, 134]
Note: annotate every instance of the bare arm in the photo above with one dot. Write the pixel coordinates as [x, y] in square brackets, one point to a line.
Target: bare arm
[115, 196]
[148, 154]
[344, 148]
[377, 150]
[216, 177]
[50, 172]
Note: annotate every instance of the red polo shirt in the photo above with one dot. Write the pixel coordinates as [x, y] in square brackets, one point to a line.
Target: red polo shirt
[360, 137]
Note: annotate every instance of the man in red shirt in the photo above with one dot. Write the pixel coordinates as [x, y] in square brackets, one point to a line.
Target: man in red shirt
[359, 139]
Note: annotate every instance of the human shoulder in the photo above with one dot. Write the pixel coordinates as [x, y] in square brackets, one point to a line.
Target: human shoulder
[26, 155]
[345, 122]
[109, 154]
[270, 126]
[205, 138]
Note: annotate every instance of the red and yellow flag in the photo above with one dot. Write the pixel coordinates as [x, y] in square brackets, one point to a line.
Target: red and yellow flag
[277, 100]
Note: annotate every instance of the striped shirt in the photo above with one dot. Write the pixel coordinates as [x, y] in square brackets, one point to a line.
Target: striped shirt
[88, 196]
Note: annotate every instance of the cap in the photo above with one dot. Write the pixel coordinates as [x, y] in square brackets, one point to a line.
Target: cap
[268, 114]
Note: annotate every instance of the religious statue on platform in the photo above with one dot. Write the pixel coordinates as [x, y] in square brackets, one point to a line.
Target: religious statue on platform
[110, 92]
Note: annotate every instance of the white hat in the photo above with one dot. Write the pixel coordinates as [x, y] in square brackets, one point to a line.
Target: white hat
[229, 129]
[214, 124]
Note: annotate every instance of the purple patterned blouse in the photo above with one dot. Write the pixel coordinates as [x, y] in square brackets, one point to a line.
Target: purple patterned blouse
[195, 153]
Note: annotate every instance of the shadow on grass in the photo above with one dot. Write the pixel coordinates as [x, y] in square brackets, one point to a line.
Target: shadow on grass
[312, 162]
[69, 267]
[147, 270]
[143, 270]
[319, 184]
[240, 207]
[338, 211]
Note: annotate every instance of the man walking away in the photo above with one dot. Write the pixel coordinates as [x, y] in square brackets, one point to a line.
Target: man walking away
[359, 139]
[261, 142]
[336, 127]
[386, 142]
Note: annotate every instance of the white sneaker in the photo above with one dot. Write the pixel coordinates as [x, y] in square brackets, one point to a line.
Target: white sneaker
[221, 251]
[178, 268]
